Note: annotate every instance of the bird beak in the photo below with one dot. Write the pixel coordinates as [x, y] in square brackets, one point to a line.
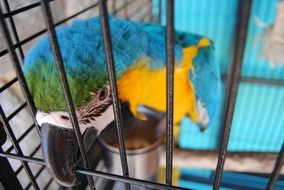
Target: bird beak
[61, 152]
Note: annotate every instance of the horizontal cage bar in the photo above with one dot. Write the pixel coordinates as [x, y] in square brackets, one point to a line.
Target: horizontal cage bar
[17, 68]
[8, 84]
[23, 9]
[22, 137]
[98, 174]
[233, 79]
[20, 108]
[37, 34]
[30, 155]
[13, 140]
[13, 27]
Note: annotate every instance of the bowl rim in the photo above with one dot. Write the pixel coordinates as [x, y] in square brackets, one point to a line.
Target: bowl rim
[115, 150]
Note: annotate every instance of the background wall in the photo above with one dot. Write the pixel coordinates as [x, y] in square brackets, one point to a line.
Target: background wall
[258, 121]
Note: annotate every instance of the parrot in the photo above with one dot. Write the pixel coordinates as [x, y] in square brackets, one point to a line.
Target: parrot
[140, 66]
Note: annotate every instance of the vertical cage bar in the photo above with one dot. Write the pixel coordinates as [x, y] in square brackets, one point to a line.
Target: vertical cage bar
[64, 83]
[276, 170]
[3, 136]
[17, 68]
[170, 89]
[232, 84]
[13, 139]
[14, 29]
[112, 79]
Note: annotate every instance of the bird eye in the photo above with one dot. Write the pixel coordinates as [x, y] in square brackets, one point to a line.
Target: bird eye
[103, 94]
[64, 117]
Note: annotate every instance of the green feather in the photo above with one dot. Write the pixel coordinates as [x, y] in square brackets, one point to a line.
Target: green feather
[47, 91]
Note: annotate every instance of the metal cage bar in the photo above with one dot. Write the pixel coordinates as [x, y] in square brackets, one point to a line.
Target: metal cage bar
[37, 34]
[30, 155]
[170, 33]
[36, 176]
[233, 79]
[3, 135]
[48, 184]
[23, 9]
[276, 170]
[64, 83]
[14, 113]
[14, 29]
[13, 140]
[100, 174]
[257, 80]
[18, 69]
[114, 92]
[8, 177]
[22, 137]
[20, 10]
[8, 84]
[232, 84]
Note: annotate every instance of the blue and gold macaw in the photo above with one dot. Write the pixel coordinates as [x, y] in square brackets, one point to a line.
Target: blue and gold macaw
[139, 55]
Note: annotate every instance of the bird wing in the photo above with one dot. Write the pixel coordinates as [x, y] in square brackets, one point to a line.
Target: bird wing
[205, 74]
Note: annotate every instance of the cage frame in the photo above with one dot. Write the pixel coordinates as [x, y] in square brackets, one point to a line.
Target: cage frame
[232, 82]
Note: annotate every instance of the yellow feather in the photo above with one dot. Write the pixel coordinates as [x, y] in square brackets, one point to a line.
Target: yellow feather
[141, 85]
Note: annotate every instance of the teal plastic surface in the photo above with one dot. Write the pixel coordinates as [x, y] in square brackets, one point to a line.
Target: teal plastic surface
[203, 179]
[258, 122]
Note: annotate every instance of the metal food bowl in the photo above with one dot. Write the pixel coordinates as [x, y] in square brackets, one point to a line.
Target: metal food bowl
[142, 142]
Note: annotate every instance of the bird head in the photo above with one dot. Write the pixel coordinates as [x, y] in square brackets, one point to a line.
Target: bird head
[96, 113]
[59, 144]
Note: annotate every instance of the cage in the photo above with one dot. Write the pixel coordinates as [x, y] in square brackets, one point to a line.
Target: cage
[250, 121]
